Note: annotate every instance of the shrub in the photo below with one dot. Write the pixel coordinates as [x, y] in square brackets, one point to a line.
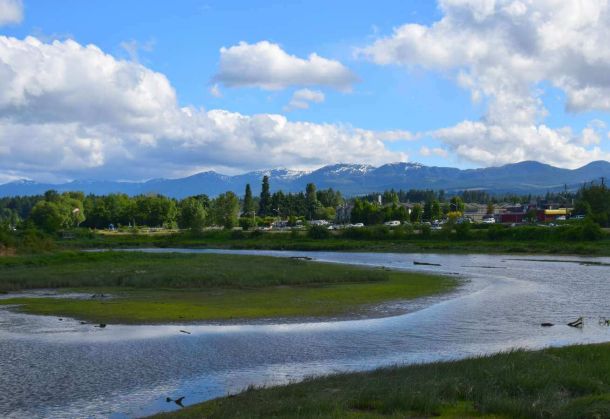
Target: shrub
[357, 233]
[237, 234]
[318, 232]
[496, 232]
[426, 231]
[380, 232]
[247, 223]
[591, 231]
[462, 231]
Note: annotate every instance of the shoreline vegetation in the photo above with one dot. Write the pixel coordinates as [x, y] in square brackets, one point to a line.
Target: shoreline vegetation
[568, 382]
[142, 288]
[522, 240]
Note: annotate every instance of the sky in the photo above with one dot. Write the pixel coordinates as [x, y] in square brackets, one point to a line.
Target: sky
[136, 90]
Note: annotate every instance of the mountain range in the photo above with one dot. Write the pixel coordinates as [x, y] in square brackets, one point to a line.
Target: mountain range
[351, 179]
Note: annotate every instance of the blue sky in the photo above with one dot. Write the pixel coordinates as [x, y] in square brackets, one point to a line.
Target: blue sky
[405, 83]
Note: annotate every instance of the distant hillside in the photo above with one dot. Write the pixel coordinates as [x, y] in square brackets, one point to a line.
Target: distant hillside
[350, 179]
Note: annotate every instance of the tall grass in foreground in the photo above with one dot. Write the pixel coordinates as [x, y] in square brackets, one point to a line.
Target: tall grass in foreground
[571, 382]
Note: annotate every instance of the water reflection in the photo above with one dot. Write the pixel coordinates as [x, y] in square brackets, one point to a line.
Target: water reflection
[53, 368]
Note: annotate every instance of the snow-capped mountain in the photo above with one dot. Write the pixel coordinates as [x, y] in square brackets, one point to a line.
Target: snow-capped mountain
[350, 179]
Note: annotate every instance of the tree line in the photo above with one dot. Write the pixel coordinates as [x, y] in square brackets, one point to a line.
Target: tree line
[53, 211]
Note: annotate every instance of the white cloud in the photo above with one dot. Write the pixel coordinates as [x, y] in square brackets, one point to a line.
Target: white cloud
[267, 66]
[215, 90]
[134, 47]
[11, 12]
[398, 135]
[502, 50]
[68, 110]
[437, 151]
[301, 99]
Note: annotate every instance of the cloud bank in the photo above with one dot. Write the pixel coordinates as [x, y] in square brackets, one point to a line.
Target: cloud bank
[73, 111]
[503, 51]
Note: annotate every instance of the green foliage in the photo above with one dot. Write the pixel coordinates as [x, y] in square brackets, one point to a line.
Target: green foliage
[249, 206]
[318, 232]
[325, 213]
[247, 223]
[57, 212]
[462, 231]
[225, 210]
[568, 383]
[416, 213]
[586, 230]
[311, 199]
[371, 213]
[192, 214]
[329, 198]
[264, 204]
[595, 201]
[155, 211]
[456, 204]
[426, 231]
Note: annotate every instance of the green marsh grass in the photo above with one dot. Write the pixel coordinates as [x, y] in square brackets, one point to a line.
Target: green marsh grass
[157, 288]
[571, 382]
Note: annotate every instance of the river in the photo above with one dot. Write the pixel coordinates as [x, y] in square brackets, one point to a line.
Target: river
[52, 368]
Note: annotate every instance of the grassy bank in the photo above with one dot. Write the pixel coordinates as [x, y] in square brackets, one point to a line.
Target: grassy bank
[379, 240]
[151, 288]
[571, 382]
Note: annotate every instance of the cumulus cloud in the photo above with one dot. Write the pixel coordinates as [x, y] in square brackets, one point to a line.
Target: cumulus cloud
[69, 110]
[267, 66]
[436, 151]
[302, 98]
[11, 12]
[502, 50]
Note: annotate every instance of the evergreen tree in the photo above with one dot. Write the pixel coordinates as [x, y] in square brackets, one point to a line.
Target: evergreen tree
[248, 201]
[264, 205]
[312, 200]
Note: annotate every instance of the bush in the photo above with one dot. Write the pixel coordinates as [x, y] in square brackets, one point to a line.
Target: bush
[496, 232]
[318, 232]
[247, 223]
[380, 232]
[357, 233]
[256, 234]
[462, 231]
[237, 235]
[426, 231]
[590, 231]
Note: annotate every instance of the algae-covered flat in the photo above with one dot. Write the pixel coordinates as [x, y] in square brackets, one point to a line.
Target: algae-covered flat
[156, 288]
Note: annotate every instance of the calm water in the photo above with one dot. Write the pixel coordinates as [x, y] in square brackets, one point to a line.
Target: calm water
[52, 368]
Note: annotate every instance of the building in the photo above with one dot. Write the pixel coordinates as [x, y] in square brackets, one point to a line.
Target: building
[550, 215]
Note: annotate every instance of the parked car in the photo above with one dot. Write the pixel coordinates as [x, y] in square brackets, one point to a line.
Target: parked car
[578, 217]
[393, 223]
[357, 225]
[560, 218]
[489, 220]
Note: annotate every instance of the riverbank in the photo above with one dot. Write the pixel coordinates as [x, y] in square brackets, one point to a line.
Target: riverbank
[141, 288]
[570, 382]
[375, 240]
